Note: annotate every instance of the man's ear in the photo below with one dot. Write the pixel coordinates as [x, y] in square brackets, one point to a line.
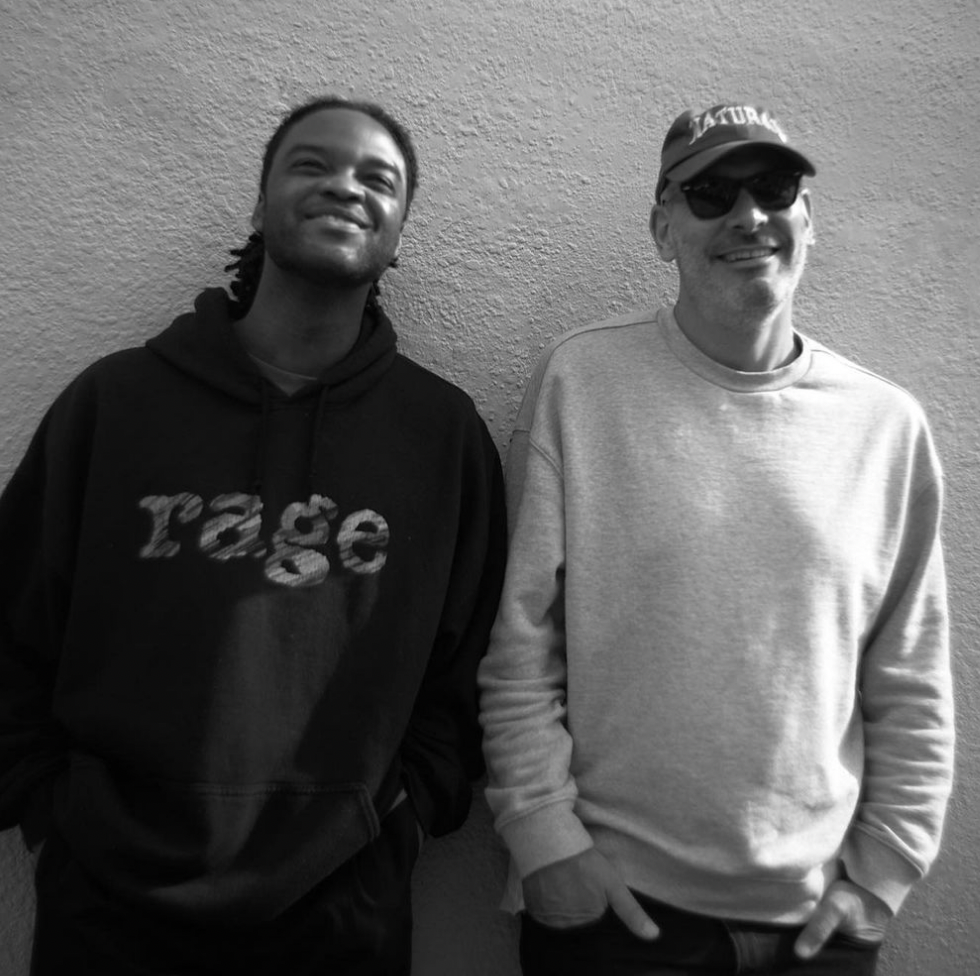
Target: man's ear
[393, 263]
[660, 231]
[811, 236]
[258, 213]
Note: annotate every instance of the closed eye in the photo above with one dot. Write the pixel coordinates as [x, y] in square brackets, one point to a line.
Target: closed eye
[308, 165]
[381, 181]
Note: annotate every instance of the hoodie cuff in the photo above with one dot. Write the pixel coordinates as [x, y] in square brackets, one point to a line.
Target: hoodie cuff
[549, 834]
[38, 815]
[879, 868]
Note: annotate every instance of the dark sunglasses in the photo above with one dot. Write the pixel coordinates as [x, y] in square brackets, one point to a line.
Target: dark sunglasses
[713, 196]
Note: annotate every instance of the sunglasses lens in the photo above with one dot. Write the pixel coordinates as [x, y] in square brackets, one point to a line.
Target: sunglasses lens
[715, 196]
[711, 198]
[774, 191]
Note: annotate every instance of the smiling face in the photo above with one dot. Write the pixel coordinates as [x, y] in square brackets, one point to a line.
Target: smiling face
[744, 265]
[335, 199]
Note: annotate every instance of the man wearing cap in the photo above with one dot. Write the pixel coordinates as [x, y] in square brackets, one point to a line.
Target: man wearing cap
[717, 705]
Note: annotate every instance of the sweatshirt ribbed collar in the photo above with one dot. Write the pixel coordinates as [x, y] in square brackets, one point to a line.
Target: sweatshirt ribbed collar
[732, 379]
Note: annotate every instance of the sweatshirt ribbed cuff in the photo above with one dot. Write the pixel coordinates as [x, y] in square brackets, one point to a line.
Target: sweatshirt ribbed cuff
[879, 868]
[549, 834]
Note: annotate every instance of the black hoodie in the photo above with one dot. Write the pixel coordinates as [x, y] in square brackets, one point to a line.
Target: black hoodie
[235, 624]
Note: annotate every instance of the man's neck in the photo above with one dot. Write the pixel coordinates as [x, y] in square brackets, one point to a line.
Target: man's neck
[302, 329]
[746, 342]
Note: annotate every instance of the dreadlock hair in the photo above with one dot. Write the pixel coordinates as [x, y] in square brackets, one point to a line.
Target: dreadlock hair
[250, 256]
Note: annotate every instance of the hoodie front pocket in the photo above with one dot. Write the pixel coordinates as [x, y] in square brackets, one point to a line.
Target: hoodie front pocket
[234, 852]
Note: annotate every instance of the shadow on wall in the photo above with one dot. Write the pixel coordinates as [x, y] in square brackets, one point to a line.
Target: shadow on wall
[459, 930]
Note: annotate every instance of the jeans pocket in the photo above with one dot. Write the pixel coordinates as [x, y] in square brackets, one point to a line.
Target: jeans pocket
[856, 942]
[570, 924]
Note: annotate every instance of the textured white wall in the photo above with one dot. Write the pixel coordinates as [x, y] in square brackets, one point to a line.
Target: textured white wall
[131, 139]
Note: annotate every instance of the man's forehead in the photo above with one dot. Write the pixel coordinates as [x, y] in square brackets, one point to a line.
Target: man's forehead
[336, 128]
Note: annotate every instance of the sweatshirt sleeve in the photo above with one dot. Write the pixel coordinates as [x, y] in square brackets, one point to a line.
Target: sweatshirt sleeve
[441, 753]
[523, 677]
[38, 515]
[907, 705]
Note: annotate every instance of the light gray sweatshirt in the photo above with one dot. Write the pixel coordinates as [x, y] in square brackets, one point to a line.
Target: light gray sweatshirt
[722, 652]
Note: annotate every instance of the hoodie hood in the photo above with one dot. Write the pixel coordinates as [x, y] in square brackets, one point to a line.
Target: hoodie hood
[203, 344]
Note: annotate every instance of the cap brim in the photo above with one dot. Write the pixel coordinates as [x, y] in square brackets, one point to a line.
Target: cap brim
[700, 162]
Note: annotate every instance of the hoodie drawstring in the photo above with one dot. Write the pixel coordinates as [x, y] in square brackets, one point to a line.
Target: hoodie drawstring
[321, 406]
[261, 442]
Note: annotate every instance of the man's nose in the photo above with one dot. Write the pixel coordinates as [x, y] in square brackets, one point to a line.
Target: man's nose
[746, 213]
[343, 185]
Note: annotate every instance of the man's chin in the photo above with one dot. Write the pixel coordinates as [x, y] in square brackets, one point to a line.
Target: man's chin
[330, 264]
[335, 273]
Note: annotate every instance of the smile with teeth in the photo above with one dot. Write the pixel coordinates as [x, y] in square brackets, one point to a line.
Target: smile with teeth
[337, 218]
[748, 254]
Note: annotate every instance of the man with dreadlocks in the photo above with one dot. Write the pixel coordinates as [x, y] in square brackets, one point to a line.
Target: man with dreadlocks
[250, 571]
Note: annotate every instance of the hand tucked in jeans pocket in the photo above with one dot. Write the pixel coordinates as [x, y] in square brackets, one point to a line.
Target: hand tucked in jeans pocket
[579, 890]
[848, 909]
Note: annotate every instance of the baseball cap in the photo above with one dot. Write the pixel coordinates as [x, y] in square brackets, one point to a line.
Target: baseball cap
[695, 141]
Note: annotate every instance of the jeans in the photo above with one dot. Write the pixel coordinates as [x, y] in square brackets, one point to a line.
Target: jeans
[689, 945]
